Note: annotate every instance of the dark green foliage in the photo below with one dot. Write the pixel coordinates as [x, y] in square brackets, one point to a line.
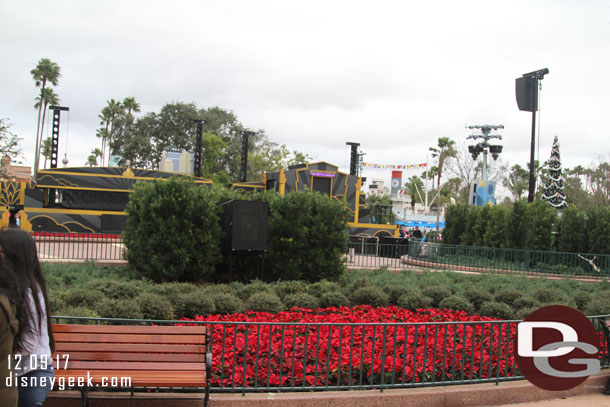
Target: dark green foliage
[195, 303]
[477, 296]
[598, 230]
[302, 300]
[333, 299]
[497, 310]
[470, 228]
[581, 298]
[497, 227]
[436, 293]
[598, 306]
[256, 286]
[394, 292]
[172, 231]
[526, 302]
[480, 224]
[413, 301]
[546, 295]
[116, 289]
[126, 308]
[82, 297]
[455, 223]
[265, 302]
[571, 231]
[285, 288]
[369, 295]
[542, 218]
[155, 306]
[507, 295]
[457, 303]
[173, 291]
[519, 226]
[226, 303]
[307, 238]
[319, 288]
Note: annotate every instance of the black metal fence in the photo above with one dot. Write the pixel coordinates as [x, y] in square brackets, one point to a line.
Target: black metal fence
[270, 356]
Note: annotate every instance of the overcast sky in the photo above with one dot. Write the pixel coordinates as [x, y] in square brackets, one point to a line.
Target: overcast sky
[392, 75]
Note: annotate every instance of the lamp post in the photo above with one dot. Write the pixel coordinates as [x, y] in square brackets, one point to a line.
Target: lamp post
[484, 146]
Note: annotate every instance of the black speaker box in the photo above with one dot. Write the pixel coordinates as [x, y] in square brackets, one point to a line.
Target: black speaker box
[527, 94]
[245, 226]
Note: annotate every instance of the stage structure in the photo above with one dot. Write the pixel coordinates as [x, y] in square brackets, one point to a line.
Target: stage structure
[76, 200]
[93, 199]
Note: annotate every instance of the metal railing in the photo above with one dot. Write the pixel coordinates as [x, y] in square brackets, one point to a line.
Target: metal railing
[72, 246]
[270, 356]
[404, 253]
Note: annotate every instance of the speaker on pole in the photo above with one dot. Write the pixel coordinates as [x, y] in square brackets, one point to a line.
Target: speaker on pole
[527, 93]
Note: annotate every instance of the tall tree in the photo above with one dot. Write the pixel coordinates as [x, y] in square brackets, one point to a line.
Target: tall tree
[9, 143]
[554, 192]
[45, 71]
[445, 149]
[111, 114]
[415, 188]
[517, 181]
[46, 150]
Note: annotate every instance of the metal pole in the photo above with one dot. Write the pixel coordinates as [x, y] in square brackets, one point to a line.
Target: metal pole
[484, 174]
[532, 183]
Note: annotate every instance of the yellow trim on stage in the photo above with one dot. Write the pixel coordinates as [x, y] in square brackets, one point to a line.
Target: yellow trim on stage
[72, 211]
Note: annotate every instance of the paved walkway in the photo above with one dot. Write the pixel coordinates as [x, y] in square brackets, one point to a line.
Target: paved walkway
[588, 400]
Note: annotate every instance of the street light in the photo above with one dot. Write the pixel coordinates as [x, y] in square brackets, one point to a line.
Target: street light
[484, 146]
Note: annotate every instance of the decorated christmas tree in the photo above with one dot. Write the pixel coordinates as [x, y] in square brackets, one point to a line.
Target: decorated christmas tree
[553, 190]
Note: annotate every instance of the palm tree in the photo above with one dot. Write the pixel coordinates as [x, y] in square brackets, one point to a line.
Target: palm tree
[45, 71]
[46, 150]
[131, 105]
[110, 113]
[414, 187]
[445, 149]
[49, 97]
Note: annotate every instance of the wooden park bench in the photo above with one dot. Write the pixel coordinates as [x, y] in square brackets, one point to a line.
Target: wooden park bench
[132, 357]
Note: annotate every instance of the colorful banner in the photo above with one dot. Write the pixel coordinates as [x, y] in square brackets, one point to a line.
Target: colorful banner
[393, 166]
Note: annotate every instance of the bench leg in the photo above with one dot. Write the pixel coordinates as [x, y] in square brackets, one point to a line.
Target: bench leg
[84, 396]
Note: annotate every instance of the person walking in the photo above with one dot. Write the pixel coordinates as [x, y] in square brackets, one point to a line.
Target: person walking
[34, 344]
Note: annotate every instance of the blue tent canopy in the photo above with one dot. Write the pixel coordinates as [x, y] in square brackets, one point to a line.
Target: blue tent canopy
[420, 224]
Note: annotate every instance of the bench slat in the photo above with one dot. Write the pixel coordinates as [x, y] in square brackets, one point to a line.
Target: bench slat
[132, 329]
[139, 378]
[133, 357]
[128, 348]
[128, 338]
[148, 366]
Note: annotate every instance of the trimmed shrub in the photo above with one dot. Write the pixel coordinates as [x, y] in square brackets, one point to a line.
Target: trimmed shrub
[546, 295]
[195, 303]
[598, 306]
[394, 292]
[265, 301]
[319, 288]
[302, 300]
[155, 306]
[173, 231]
[507, 295]
[414, 301]
[457, 303]
[86, 298]
[226, 303]
[477, 296]
[436, 293]
[173, 291]
[255, 287]
[582, 299]
[497, 310]
[571, 235]
[370, 295]
[333, 299]
[455, 223]
[127, 308]
[116, 289]
[526, 302]
[307, 236]
[285, 288]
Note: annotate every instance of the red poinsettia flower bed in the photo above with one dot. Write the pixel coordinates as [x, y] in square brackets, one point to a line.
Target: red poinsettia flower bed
[361, 346]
